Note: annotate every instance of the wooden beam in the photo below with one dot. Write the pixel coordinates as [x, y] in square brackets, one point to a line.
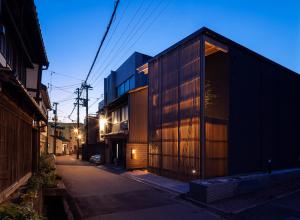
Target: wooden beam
[202, 106]
[217, 44]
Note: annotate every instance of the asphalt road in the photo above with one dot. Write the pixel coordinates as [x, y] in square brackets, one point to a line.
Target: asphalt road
[285, 208]
[100, 194]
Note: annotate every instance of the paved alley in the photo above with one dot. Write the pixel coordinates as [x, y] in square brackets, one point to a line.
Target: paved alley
[100, 194]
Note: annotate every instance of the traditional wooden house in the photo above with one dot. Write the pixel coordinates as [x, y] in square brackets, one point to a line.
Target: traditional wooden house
[22, 60]
[45, 105]
[217, 108]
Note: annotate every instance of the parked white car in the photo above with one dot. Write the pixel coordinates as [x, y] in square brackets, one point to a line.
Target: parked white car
[97, 159]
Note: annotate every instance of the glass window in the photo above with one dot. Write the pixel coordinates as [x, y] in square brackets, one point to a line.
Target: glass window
[115, 117]
[125, 113]
[132, 82]
[126, 85]
[121, 90]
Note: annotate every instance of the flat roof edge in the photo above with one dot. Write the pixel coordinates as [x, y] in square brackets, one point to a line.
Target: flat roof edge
[222, 39]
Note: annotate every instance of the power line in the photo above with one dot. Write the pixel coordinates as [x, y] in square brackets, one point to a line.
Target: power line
[110, 57]
[94, 102]
[114, 30]
[103, 39]
[65, 75]
[99, 48]
[64, 90]
[136, 29]
[68, 86]
[147, 27]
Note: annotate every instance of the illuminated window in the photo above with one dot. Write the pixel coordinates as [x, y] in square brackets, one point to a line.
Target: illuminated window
[116, 116]
[125, 113]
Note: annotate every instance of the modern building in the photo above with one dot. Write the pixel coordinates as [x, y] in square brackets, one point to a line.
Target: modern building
[217, 108]
[123, 119]
[22, 60]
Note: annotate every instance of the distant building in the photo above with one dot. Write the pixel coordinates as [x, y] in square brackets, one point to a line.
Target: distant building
[95, 146]
[123, 119]
[66, 137]
[22, 60]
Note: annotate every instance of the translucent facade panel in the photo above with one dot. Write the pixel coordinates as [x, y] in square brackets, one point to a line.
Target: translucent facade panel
[174, 111]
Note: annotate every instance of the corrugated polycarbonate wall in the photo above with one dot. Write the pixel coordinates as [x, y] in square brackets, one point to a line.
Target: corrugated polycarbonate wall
[174, 112]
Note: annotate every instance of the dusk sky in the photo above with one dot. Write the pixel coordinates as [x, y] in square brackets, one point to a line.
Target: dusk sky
[72, 30]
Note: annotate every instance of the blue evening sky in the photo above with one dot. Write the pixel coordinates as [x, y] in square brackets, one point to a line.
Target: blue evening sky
[72, 30]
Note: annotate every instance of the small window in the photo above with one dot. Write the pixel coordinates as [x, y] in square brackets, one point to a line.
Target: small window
[121, 90]
[132, 82]
[125, 113]
[126, 86]
[116, 117]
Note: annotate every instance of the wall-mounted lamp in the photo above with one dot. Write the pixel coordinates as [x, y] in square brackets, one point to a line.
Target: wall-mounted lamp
[133, 153]
[193, 171]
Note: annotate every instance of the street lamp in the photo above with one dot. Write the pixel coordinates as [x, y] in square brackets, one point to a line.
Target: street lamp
[102, 122]
[75, 130]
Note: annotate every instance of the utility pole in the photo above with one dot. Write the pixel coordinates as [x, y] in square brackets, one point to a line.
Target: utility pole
[86, 104]
[78, 97]
[55, 126]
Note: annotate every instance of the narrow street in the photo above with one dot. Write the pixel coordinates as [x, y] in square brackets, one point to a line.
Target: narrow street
[99, 194]
[287, 207]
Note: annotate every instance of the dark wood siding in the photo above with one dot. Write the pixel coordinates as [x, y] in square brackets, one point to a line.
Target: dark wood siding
[138, 114]
[216, 113]
[138, 130]
[15, 143]
[264, 114]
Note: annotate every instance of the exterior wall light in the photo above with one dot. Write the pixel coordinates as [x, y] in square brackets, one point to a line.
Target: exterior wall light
[193, 171]
[133, 153]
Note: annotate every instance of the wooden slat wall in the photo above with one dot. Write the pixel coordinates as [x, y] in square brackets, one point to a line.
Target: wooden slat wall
[174, 116]
[138, 129]
[15, 143]
[216, 149]
[138, 115]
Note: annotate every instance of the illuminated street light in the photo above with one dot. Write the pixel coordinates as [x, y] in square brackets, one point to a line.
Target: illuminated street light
[102, 122]
[75, 130]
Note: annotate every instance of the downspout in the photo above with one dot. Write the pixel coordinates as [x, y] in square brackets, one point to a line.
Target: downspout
[38, 86]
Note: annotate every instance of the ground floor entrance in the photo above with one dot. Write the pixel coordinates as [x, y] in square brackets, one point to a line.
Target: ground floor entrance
[115, 152]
